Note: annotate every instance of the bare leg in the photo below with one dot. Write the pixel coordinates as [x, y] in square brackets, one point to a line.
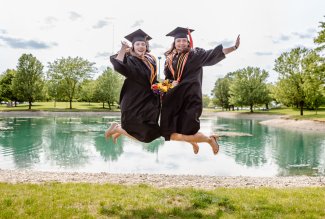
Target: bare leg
[214, 144]
[180, 137]
[119, 130]
[115, 137]
[195, 146]
[109, 131]
[198, 138]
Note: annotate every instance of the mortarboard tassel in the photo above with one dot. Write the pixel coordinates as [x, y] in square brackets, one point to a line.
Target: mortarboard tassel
[190, 36]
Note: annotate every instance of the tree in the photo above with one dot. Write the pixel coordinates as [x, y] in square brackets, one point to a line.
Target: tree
[29, 81]
[68, 74]
[314, 80]
[249, 87]
[221, 92]
[320, 39]
[267, 98]
[108, 87]
[6, 89]
[87, 90]
[206, 100]
[299, 78]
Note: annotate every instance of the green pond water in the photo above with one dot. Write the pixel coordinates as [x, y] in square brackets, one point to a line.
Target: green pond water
[78, 144]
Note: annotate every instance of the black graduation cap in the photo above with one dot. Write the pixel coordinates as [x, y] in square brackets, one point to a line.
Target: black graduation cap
[138, 35]
[179, 32]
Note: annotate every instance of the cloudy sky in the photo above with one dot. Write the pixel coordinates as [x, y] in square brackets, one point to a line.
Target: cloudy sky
[94, 29]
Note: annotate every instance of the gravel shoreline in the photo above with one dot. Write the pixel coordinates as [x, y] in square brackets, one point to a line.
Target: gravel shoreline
[160, 180]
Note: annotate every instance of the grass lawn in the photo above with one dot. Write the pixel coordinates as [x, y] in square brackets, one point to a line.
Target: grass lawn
[83, 107]
[61, 106]
[293, 113]
[81, 200]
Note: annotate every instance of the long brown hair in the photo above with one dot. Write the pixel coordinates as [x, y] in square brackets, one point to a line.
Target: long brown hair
[172, 48]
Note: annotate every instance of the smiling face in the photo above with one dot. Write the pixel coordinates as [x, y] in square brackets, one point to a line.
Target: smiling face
[140, 47]
[181, 44]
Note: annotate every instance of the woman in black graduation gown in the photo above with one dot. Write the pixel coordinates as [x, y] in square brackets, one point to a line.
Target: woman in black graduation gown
[140, 107]
[182, 105]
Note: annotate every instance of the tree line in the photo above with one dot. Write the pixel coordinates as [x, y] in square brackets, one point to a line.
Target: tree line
[67, 79]
[300, 84]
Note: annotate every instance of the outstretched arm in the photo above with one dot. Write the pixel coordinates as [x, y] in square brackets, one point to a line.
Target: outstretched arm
[233, 48]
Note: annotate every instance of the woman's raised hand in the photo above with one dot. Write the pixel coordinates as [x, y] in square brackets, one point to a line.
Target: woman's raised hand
[125, 45]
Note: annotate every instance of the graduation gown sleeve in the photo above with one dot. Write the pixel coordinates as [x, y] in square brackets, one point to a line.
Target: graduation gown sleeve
[202, 57]
[121, 67]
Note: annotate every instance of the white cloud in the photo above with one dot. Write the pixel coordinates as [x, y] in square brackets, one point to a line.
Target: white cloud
[282, 38]
[263, 53]
[17, 43]
[103, 24]
[74, 16]
[137, 23]
[104, 55]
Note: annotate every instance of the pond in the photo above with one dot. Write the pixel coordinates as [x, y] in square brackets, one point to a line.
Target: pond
[78, 144]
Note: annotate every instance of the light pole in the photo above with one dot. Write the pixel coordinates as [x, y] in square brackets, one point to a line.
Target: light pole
[159, 57]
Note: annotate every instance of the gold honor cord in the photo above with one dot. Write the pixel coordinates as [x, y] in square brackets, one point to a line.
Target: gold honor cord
[180, 65]
[151, 67]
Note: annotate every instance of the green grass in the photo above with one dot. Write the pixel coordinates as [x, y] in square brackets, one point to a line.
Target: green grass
[291, 112]
[60, 106]
[80, 200]
[98, 107]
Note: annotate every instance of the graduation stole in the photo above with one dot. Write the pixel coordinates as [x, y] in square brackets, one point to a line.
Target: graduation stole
[180, 64]
[146, 60]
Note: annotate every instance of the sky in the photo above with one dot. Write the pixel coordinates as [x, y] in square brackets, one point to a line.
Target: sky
[94, 30]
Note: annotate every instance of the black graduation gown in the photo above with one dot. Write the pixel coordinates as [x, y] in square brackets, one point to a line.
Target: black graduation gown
[140, 107]
[182, 105]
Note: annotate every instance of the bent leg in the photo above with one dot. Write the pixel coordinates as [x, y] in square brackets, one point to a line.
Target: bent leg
[197, 138]
[115, 137]
[119, 130]
[110, 130]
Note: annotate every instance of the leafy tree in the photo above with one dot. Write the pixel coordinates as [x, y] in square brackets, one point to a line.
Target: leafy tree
[28, 82]
[66, 75]
[320, 39]
[221, 92]
[6, 89]
[206, 100]
[249, 87]
[300, 79]
[87, 90]
[108, 87]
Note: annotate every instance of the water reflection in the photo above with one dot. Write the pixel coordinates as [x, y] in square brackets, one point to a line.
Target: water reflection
[107, 149]
[293, 152]
[78, 144]
[23, 141]
[66, 143]
[297, 153]
[248, 151]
